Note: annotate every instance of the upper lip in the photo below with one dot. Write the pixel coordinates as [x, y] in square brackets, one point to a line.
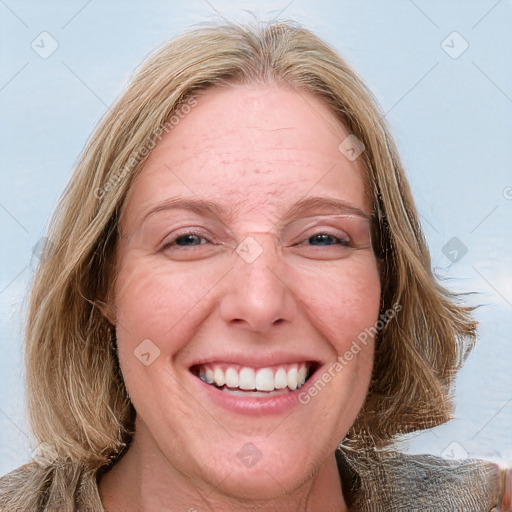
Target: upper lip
[256, 360]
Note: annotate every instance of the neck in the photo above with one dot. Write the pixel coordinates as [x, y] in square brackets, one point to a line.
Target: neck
[143, 479]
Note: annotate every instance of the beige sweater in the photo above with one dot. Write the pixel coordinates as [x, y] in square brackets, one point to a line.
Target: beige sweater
[372, 482]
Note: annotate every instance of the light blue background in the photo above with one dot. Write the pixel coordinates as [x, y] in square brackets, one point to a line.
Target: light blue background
[451, 119]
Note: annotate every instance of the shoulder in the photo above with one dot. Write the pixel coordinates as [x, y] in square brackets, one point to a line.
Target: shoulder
[21, 489]
[59, 486]
[398, 481]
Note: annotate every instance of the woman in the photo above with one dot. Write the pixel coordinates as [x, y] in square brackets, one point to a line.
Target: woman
[237, 284]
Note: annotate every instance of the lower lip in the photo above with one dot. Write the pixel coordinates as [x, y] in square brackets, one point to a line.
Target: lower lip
[254, 405]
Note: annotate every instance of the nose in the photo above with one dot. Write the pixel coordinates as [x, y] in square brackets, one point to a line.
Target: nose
[257, 295]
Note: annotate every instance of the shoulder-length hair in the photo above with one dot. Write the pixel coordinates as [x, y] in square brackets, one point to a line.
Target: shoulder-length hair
[77, 400]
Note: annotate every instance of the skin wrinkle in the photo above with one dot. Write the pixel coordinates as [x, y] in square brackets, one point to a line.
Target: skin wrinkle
[330, 208]
[286, 299]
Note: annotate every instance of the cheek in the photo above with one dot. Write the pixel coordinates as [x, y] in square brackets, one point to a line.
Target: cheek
[155, 300]
[342, 303]
[345, 299]
[157, 308]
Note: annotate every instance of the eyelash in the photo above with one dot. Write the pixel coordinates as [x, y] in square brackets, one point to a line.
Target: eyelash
[172, 243]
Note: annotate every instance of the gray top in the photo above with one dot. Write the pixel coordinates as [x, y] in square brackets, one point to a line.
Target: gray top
[392, 481]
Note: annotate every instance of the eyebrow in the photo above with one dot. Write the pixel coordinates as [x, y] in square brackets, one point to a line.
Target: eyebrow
[199, 206]
[325, 204]
[305, 206]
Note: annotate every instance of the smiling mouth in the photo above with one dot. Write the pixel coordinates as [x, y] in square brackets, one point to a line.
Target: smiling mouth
[246, 381]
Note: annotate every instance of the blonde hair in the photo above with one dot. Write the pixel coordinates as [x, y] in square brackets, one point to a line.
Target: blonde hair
[77, 400]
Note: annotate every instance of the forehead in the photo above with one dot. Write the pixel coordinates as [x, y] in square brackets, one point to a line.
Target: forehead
[254, 150]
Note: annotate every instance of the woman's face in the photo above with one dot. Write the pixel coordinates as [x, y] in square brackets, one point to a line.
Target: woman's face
[245, 258]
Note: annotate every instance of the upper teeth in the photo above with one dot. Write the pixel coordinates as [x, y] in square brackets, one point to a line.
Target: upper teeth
[262, 379]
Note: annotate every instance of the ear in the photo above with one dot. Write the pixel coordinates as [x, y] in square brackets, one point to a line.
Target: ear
[109, 310]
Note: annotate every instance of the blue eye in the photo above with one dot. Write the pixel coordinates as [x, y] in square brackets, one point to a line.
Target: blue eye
[188, 240]
[325, 239]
